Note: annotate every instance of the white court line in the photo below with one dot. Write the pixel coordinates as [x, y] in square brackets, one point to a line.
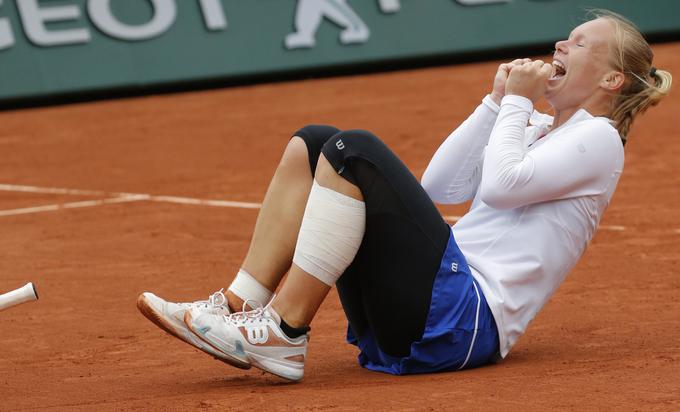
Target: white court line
[113, 198]
[50, 190]
[205, 202]
[73, 205]
[614, 228]
[137, 197]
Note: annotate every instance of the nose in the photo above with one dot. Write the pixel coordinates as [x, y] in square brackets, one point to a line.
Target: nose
[561, 46]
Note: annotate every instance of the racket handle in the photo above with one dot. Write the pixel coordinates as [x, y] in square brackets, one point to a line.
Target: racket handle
[27, 293]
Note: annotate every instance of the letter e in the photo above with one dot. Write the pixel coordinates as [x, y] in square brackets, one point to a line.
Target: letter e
[34, 17]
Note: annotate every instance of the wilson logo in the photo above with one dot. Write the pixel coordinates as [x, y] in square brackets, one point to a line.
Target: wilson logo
[258, 334]
[340, 145]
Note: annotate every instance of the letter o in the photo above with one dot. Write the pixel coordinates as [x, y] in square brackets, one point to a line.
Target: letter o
[165, 12]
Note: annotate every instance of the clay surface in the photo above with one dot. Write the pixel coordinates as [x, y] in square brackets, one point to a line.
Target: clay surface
[608, 339]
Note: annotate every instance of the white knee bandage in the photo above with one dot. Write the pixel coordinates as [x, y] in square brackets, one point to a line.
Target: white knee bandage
[247, 287]
[331, 233]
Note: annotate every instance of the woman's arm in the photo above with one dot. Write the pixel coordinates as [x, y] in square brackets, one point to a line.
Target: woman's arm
[577, 164]
[455, 169]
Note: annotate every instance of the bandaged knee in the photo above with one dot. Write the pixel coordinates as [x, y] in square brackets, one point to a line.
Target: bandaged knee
[330, 235]
[246, 287]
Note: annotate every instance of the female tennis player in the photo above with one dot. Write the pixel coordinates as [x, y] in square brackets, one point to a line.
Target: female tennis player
[421, 296]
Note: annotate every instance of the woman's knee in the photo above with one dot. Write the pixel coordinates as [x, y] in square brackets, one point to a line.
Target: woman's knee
[314, 137]
[351, 145]
[359, 136]
[295, 153]
[354, 143]
[316, 134]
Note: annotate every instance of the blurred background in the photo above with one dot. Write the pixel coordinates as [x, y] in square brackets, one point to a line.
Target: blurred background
[65, 50]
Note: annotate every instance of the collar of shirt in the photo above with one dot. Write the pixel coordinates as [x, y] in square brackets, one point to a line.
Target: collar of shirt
[543, 123]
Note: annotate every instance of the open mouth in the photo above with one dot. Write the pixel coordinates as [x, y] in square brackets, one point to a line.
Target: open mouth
[559, 70]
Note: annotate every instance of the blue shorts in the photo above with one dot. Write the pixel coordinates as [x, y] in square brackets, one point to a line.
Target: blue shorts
[460, 331]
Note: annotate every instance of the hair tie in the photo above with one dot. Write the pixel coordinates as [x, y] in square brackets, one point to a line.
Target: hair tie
[652, 72]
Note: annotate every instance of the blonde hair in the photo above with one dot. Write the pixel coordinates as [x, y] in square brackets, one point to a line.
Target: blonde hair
[644, 85]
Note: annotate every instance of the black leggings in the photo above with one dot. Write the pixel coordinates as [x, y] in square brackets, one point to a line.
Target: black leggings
[388, 287]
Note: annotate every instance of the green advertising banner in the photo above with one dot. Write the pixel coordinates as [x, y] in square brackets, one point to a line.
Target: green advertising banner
[54, 47]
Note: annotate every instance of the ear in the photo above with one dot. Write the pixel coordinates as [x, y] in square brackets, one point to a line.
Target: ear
[612, 81]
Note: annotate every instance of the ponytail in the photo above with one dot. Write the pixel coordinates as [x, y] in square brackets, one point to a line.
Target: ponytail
[644, 85]
[636, 97]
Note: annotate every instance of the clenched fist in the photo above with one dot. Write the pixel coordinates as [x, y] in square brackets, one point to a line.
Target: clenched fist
[529, 80]
[502, 77]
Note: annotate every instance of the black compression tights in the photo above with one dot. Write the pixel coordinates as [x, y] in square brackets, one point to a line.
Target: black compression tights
[388, 287]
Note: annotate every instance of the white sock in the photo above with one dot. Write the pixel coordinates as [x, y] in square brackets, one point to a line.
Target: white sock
[332, 230]
[246, 287]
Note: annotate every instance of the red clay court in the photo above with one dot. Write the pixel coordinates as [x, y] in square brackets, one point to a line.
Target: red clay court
[162, 196]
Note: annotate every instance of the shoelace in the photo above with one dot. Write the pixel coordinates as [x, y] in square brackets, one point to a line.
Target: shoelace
[247, 315]
[215, 301]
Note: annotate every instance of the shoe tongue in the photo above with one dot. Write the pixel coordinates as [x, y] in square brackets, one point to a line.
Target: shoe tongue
[270, 310]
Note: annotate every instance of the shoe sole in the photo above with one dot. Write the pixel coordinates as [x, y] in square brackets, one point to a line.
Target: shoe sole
[156, 318]
[275, 367]
[263, 363]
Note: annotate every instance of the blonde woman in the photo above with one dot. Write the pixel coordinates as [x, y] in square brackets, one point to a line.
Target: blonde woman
[421, 296]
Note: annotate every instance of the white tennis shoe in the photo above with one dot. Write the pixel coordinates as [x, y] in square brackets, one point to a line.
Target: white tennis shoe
[169, 316]
[253, 338]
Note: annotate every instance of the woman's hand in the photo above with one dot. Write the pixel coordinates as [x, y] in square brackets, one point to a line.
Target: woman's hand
[529, 80]
[502, 77]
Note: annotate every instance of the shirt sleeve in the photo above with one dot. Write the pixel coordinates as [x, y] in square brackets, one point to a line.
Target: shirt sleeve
[578, 162]
[455, 170]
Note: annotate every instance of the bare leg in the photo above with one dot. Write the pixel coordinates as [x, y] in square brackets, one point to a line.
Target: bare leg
[302, 294]
[278, 223]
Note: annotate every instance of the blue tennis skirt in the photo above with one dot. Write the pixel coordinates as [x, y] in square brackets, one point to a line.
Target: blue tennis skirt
[460, 331]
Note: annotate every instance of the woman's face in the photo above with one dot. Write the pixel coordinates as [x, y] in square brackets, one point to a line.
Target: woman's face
[580, 63]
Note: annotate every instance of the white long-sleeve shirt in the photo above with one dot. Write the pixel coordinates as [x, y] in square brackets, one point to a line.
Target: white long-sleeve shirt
[538, 196]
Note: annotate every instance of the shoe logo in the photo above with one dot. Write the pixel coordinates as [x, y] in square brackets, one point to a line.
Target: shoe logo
[340, 145]
[454, 267]
[258, 334]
